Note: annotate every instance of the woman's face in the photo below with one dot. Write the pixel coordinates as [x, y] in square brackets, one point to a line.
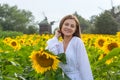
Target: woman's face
[68, 27]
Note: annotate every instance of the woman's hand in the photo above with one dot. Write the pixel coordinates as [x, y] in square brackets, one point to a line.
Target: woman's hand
[57, 33]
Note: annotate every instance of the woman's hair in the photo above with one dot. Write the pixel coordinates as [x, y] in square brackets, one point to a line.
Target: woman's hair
[78, 31]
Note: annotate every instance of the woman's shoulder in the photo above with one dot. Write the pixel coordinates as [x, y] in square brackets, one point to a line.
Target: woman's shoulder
[75, 38]
[78, 42]
[53, 41]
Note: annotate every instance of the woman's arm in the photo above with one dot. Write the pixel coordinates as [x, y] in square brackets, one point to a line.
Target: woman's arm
[53, 45]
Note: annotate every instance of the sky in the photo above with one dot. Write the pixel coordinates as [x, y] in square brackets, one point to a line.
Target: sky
[54, 10]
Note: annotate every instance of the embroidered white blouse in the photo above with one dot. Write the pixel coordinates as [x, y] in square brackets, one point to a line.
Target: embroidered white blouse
[78, 66]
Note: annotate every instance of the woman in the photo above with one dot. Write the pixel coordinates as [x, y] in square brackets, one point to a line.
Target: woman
[77, 67]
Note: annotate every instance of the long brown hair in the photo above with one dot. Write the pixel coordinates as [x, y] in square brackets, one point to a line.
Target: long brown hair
[78, 31]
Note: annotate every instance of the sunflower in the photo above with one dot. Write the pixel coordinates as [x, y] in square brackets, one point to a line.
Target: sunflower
[7, 40]
[110, 45]
[22, 41]
[118, 34]
[14, 44]
[44, 61]
[100, 42]
[109, 61]
[102, 56]
[29, 42]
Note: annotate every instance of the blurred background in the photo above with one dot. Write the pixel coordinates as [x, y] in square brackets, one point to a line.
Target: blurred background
[27, 16]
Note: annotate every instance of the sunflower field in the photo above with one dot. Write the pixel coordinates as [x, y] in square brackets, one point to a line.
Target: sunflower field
[19, 56]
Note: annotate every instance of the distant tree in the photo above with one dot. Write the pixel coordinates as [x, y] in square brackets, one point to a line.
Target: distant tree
[31, 30]
[84, 24]
[106, 24]
[14, 19]
[92, 22]
[0, 27]
[93, 19]
[115, 12]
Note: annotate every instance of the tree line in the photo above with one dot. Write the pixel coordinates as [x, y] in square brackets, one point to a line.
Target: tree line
[14, 19]
[108, 22]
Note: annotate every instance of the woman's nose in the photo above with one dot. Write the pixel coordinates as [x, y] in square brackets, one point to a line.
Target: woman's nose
[69, 26]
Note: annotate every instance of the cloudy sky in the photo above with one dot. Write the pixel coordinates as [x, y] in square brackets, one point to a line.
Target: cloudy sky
[56, 9]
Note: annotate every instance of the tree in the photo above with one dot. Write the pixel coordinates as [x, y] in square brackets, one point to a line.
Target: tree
[115, 12]
[0, 28]
[14, 19]
[84, 24]
[106, 24]
[92, 22]
[32, 29]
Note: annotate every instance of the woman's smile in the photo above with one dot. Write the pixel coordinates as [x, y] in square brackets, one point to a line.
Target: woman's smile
[69, 27]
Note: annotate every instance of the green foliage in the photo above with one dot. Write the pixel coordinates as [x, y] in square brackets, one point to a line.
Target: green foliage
[113, 53]
[16, 65]
[4, 34]
[62, 57]
[55, 75]
[101, 70]
[106, 24]
[14, 19]
[84, 24]
[31, 30]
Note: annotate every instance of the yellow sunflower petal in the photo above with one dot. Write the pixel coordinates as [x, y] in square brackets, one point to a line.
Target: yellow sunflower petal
[43, 61]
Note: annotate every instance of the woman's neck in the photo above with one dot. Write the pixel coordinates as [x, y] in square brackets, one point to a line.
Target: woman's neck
[67, 39]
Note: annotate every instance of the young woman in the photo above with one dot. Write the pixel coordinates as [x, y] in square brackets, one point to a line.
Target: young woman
[78, 66]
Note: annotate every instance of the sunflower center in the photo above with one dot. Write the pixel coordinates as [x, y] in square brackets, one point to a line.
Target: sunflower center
[43, 61]
[111, 46]
[14, 43]
[21, 41]
[101, 42]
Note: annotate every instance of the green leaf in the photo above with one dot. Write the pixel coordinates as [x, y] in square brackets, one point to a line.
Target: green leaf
[62, 57]
[49, 75]
[49, 52]
[60, 75]
[8, 78]
[114, 52]
[66, 77]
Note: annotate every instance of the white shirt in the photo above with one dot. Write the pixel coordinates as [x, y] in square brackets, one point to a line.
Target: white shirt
[77, 67]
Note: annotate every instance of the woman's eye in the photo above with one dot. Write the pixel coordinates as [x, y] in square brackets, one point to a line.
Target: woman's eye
[66, 24]
[72, 25]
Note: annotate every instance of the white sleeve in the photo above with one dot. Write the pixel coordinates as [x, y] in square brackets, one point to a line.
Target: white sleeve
[83, 61]
[53, 45]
